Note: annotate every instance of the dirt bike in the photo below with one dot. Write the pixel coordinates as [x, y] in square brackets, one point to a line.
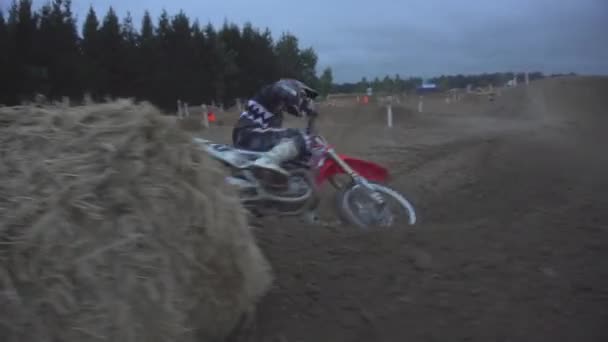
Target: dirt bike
[361, 201]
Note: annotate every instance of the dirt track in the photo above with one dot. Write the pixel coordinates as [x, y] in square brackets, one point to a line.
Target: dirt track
[512, 243]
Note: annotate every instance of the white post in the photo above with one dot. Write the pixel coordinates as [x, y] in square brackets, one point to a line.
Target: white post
[420, 104]
[186, 110]
[179, 109]
[88, 99]
[205, 117]
[527, 78]
[389, 115]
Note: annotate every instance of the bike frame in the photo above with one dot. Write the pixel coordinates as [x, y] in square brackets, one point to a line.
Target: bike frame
[328, 163]
[354, 167]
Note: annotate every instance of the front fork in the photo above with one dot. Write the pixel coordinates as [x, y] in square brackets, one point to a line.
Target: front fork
[376, 197]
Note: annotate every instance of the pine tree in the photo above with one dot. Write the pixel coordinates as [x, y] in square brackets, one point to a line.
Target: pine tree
[144, 82]
[129, 57]
[181, 61]
[267, 58]
[288, 56]
[42, 52]
[307, 67]
[233, 52]
[326, 81]
[5, 62]
[163, 76]
[22, 26]
[111, 52]
[91, 68]
[58, 49]
[387, 84]
[198, 56]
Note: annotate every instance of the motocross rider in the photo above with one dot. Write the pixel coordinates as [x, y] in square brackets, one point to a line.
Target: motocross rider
[259, 126]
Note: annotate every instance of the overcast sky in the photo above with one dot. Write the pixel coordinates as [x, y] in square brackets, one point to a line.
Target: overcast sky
[419, 38]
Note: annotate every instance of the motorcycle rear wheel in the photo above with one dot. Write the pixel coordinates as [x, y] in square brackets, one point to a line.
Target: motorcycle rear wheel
[351, 214]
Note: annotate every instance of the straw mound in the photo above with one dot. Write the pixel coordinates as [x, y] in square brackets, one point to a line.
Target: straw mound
[113, 227]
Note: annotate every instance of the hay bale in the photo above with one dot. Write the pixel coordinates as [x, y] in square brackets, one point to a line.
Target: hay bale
[113, 227]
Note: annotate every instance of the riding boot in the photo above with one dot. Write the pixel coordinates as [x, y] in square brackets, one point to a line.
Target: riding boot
[272, 159]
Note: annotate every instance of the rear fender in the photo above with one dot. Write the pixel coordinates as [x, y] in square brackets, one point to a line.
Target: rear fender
[368, 170]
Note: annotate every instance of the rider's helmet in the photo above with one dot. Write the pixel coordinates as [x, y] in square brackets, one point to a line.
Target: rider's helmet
[297, 98]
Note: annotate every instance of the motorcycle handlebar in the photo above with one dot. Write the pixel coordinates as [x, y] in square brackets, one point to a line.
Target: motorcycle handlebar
[311, 130]
[311, 123]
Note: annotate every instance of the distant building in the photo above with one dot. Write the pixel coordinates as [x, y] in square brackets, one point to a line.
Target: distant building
[427, 88]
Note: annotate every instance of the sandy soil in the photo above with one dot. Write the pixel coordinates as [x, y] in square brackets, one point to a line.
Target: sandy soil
[512, 243]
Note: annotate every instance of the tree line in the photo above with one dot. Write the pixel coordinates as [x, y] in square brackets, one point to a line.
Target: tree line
[396, 84]
[387, 85]
[162, 60]
[481, 80]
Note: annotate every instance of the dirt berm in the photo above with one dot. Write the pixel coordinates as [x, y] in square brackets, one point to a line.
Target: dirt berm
[113, 228]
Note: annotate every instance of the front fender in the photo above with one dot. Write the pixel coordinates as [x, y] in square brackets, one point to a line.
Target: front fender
[368, 170]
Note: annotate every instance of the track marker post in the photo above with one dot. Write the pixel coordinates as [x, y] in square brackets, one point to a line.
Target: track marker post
[204, 116]
[179, 109]
[389, 112]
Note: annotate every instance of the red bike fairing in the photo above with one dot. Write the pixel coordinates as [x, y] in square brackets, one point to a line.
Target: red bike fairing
[368, 170]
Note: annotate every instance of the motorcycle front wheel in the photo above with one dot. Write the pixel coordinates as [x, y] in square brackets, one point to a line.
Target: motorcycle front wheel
[357, 207]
